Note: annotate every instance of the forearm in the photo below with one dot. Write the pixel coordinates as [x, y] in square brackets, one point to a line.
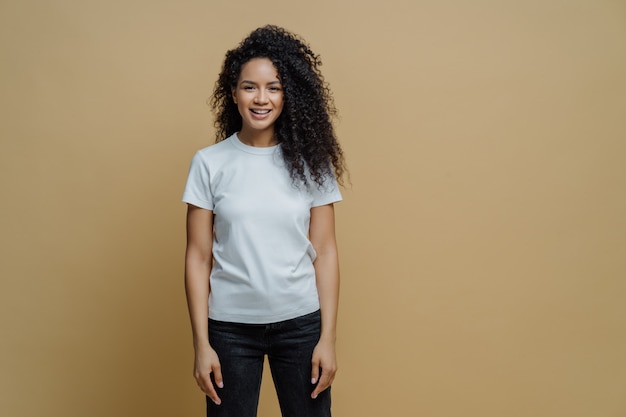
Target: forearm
[206, 362]
[327, 280]
[323, 360]
[197, 289]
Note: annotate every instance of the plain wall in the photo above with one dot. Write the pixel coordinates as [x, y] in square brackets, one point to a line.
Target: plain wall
[482, 243]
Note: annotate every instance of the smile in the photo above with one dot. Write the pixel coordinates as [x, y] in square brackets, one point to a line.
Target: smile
[255, 111]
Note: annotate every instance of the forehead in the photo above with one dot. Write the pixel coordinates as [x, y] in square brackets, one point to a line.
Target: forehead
[258, 69]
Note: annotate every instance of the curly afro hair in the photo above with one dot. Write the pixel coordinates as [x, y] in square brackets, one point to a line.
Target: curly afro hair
[304, 129]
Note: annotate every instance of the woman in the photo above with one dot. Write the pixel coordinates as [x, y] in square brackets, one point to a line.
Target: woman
[260, 224]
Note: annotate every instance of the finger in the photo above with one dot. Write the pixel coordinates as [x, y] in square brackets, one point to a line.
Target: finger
[315, 371]
[211, 393]
[217, 376]
[207, 387]
[325, 381]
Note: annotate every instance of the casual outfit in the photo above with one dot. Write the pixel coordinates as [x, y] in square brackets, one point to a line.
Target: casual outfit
[263, 290]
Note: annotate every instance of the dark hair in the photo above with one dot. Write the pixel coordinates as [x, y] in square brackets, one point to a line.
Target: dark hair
[304, 129]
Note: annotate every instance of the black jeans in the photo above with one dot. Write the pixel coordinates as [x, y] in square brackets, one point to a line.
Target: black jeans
[288, 345]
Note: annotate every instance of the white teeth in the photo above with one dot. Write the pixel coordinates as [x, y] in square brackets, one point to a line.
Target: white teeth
[260, 111]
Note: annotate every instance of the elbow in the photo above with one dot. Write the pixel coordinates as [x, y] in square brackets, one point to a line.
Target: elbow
[196, 257]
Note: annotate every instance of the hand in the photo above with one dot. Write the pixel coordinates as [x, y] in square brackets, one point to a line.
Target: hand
[207, 362]
[324, 361]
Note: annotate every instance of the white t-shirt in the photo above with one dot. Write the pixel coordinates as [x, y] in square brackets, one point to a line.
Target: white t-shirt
[263, 259]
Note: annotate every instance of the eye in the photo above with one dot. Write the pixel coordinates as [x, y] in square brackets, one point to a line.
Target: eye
[275, 89]
[248, 87]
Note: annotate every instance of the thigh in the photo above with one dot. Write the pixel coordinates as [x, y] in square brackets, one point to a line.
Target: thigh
[240, 350]
[291, 349]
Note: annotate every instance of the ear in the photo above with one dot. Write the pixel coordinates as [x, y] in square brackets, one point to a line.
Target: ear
[233, 92]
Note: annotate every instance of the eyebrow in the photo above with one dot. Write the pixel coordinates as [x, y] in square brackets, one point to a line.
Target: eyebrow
[253, 83]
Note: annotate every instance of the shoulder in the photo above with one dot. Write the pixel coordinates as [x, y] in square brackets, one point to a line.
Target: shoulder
[217, 149]
[215, 154]
[325, 193]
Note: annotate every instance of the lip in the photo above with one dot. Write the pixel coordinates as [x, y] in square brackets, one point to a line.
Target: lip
[260, 116]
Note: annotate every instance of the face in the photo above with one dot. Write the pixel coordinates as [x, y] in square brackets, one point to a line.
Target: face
[259, 96]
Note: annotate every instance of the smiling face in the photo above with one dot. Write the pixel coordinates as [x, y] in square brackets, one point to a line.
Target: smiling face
[259, 98]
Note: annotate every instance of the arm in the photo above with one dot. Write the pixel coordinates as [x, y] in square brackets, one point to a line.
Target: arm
[198, 263]
[322, 236]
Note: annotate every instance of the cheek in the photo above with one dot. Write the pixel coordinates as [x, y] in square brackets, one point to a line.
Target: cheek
[279, 105]
[280, 102]
[239, 104]
[241, 109]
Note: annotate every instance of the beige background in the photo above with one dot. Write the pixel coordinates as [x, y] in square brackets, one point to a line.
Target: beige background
[483, 241]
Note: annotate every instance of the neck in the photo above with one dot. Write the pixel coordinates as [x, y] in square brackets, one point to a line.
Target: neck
[259, 139]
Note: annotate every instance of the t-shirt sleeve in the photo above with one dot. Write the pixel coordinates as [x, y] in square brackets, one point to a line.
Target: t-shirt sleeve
[329, 193]
[198, 190]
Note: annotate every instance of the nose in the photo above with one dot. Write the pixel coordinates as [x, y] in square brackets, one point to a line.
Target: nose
[261, 96]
